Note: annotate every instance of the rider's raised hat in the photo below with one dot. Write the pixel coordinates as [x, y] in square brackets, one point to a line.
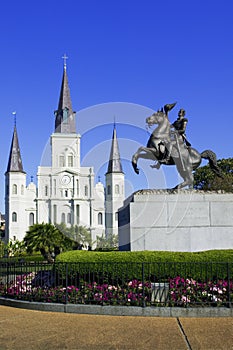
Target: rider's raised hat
[168, 107]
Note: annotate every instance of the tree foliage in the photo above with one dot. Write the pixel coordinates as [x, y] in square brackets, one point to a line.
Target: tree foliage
[206, 180]
[107, 243]
[2, 249]
[79, 234]
[15, 248]
[48, 240]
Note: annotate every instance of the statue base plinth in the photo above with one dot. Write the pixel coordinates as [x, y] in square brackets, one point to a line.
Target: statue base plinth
[185, 221]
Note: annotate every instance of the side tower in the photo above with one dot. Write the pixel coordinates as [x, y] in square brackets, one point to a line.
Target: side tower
[115, 187]
[20, 200]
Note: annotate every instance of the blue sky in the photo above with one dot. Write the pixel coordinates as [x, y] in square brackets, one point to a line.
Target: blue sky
[122, 54]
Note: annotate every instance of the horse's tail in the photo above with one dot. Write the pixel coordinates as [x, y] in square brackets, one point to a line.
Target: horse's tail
[211, 156]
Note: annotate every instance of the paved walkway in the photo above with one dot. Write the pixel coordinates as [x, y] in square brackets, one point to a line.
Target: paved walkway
[32, 330]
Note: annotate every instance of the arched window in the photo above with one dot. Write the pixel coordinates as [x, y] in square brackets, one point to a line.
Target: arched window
[31, 219]
[68, 218]
[22, 189]
[70, 161]
[109, 189]
[63, 217]
[117, 189]
[55, 214]
[14, 217]
[77, 187]
[46, 190]
[54, 187]
[100, 219]
[14, 189]
[77, 214]
[61, 161]
[65, 115]
[86, 190]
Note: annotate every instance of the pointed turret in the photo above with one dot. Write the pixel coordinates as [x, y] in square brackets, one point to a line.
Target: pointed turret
[65, 116]
[114, 164]
[115, 187]
[15, 162]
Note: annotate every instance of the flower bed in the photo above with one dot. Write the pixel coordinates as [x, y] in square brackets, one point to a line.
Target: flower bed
[181, 292]
[132, 293]
[191, 292]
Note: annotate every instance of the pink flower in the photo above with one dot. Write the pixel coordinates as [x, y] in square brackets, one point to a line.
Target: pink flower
[185, 299]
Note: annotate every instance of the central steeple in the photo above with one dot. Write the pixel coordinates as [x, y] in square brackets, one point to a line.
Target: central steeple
[65, 116]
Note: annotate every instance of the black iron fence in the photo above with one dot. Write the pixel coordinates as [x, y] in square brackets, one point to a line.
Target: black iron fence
[140, 284]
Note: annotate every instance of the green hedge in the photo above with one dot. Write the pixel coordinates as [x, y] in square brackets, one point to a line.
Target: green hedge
[146, 256]
[157, 265]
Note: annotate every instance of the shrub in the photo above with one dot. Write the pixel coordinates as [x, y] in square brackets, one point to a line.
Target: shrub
[158, 266]
[146, 256]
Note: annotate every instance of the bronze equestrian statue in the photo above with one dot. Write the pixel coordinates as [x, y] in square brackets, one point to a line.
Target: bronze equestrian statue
[168, 145]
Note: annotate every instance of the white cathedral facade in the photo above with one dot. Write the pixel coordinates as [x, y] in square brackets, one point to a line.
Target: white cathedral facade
[66, 192]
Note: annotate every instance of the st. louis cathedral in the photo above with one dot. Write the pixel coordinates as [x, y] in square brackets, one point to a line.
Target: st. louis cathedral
[66, 191]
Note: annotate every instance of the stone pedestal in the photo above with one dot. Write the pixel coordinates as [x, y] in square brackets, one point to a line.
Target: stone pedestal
[187, 221]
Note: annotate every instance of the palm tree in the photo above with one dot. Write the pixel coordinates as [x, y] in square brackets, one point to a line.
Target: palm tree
[45, 238]
[80, 235]
[107, 243]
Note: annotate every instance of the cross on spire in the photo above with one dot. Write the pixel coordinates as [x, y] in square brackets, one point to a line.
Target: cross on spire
[14, 114]
[65, 58]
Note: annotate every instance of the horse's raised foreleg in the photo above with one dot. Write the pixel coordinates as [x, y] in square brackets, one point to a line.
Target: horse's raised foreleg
[135, 160]
[144, 153]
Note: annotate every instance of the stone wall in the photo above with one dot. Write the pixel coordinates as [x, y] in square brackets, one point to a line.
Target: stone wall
[184, 220]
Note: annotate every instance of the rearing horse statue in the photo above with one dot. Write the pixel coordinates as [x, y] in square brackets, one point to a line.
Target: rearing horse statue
[185, 158]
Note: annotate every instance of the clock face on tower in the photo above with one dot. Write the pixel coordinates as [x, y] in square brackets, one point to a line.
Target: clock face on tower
[65, 179]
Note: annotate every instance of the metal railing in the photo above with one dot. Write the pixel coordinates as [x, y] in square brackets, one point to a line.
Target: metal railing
[140, 284]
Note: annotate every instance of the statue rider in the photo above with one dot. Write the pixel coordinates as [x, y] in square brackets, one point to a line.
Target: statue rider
[180, 127]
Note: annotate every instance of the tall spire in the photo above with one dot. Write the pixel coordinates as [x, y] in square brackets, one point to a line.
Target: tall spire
[114, 164]
[65, 116]
[15, 162]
